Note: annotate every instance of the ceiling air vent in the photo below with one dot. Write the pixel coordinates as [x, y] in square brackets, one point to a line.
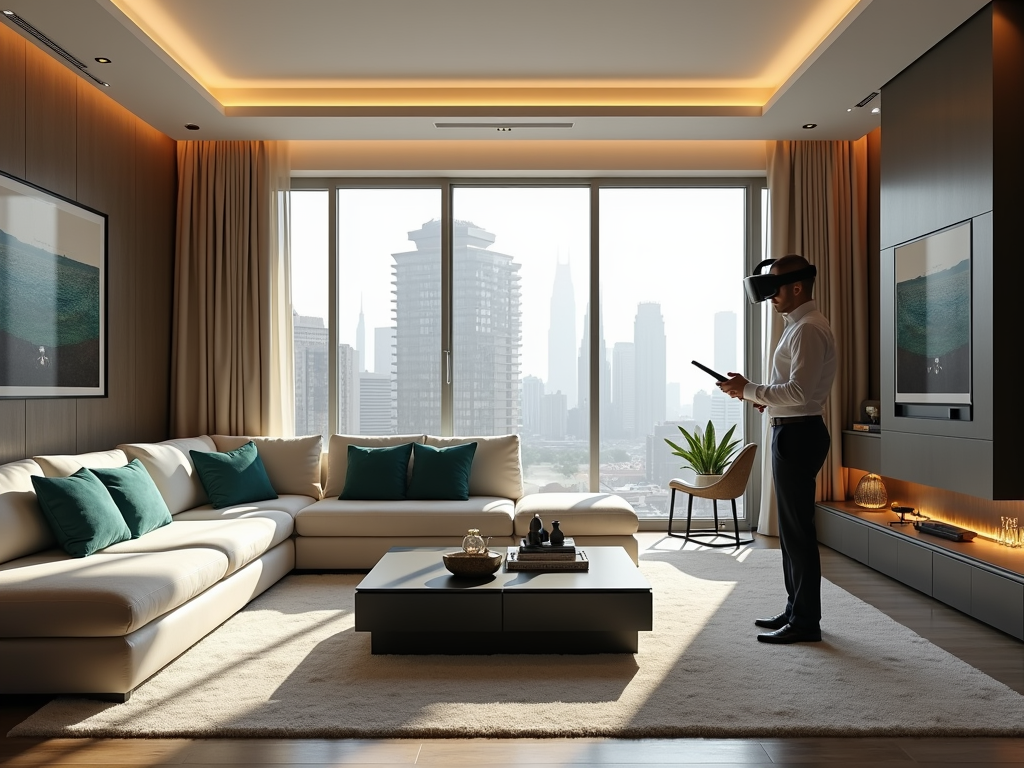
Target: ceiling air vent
[866, 99]
[14, 18]
[503, 126]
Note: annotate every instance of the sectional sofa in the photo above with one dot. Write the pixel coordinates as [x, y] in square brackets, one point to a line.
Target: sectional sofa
[103, 624]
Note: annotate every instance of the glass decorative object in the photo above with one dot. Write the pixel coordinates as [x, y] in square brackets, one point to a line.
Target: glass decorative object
[474, 543]
[870, 492]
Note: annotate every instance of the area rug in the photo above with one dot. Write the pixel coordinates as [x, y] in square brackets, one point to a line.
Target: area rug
[291, 666]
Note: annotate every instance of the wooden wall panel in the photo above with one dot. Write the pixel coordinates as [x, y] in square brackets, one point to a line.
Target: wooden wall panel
[155, 169]
[61, 133]
[50, 123]
[50, 427]
[12, 430]
[106, 182]
[12, 97]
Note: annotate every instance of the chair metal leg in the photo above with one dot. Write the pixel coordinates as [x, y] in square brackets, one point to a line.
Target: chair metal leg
[736, 526]
[671, 510]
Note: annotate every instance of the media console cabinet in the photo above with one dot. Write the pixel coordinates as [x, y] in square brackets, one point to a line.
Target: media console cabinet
[978, 577]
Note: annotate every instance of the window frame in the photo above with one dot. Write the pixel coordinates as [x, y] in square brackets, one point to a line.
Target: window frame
[752, 185]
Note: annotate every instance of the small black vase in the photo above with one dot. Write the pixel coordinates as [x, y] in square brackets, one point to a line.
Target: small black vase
[557, 538]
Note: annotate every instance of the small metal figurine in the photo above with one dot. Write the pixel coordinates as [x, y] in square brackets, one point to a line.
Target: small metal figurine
[537, 534]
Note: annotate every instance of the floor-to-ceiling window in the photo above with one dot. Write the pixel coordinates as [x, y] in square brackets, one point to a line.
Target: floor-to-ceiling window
[672, 263]
[520, 272]
[468, 308]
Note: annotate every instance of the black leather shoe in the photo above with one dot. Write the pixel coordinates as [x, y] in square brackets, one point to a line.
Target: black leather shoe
[790, 634]
[775, 622]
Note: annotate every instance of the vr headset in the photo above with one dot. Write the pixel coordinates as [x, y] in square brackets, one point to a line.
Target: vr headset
[761, 287]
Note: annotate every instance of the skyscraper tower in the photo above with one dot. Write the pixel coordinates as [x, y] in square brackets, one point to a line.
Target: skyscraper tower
[361, 337]
[311, 375]
[649, 341]
[562, 336]
[623, 389]
[725, 411]
[583, 378]
[486, 331]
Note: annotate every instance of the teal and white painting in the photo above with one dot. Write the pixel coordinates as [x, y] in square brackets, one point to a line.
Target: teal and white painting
[933, 318]
[52, 295]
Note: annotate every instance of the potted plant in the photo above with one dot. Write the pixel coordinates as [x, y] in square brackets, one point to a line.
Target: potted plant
[706, 456]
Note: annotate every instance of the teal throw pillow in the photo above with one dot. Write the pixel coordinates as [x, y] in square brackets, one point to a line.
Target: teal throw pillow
[441, 473]
[234, 477]
[81, 513]
[136, 495]
[377, 474]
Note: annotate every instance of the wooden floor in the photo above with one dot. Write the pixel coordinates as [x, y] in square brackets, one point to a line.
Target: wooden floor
[987, 649]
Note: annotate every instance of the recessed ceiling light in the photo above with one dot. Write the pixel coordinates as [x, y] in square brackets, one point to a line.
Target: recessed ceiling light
[102, 60]
[849, 109]
[808, 126]
[876, 110]
[192, 126]
[8, 13]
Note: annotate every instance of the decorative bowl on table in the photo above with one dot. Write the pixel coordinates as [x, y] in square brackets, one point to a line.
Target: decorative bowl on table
[465, 564]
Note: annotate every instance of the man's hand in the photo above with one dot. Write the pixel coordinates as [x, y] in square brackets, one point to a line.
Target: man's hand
[733, 386]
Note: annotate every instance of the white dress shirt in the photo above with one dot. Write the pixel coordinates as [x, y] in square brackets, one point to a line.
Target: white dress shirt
[803, 367]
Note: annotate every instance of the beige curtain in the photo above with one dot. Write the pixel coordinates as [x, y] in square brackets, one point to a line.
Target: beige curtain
[818, 193]
[232, 368]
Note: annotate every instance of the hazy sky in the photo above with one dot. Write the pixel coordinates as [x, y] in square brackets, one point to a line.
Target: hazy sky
[680, 247]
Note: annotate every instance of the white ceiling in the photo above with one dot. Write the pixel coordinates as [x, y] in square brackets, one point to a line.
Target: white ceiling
[391, 69]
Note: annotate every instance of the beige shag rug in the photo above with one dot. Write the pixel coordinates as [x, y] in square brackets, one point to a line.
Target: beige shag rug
[290, 665]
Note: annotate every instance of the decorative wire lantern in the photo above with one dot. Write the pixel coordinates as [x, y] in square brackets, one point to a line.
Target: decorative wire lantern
[870, 492]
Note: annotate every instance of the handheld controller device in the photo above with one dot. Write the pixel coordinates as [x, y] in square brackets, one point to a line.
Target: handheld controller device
[704, 368]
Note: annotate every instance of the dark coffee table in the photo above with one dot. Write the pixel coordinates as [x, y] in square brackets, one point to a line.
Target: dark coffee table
[410, 603]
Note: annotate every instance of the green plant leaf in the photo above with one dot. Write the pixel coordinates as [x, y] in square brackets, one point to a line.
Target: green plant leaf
[706, 455]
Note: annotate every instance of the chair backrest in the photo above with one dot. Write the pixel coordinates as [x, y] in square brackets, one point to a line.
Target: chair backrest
[734, 481]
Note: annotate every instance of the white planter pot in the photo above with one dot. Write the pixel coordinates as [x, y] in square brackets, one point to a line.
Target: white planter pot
[703, 481]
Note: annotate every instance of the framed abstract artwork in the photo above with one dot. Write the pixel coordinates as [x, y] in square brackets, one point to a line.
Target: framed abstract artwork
[933, 318]
[53, 295]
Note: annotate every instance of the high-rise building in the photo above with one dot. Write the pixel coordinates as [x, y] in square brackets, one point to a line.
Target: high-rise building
[673, 401]
[553, 416]
[562, 336]
[649, 340]
[309, 342]
[348, 390]
[486, 331]
[533, 393]
[725, 411]
[375, 404]
[583, 378]
[384, 350]
[702, 408]
[361, 337]
[623, 389]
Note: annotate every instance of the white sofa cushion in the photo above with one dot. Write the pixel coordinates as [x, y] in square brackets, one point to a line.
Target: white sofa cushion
[23, 529]
[50, 594]
[241, 540]
[281, 511]
[65, 466]
[169, 465]
[292, 463]
[337, 517]
[496, 467]
[578, 514]
[337, 462]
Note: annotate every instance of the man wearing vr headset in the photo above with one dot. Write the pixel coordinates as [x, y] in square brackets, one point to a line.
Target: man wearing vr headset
[803, 369]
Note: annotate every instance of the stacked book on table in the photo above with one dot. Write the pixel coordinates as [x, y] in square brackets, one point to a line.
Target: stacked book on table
[545, 557]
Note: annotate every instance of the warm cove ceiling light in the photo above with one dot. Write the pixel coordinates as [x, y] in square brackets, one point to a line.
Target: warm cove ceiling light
[347, 54]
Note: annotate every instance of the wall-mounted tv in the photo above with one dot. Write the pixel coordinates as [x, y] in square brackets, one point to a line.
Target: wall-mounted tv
[933, 318]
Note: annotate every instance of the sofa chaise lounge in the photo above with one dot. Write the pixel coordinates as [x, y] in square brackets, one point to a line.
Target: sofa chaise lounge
[103, 624]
